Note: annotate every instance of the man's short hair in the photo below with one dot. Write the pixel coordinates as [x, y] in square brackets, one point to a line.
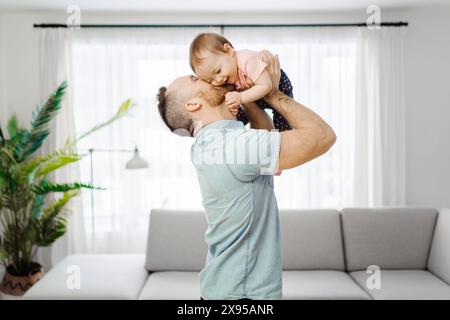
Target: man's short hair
[171, 109]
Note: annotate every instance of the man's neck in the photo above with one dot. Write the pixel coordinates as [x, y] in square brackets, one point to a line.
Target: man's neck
[219, 113]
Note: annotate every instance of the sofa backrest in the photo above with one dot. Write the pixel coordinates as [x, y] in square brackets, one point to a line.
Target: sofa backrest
[176, 240]
[439, 259]
[311, 240]
[391, 238]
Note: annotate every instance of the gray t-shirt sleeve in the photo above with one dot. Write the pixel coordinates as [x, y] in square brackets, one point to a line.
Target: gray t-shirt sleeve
[257, 152]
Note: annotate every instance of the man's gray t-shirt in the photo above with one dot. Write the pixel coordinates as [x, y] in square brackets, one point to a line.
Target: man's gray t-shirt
[235, 167]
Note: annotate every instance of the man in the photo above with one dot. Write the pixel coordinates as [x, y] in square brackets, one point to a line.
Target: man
[235, 167]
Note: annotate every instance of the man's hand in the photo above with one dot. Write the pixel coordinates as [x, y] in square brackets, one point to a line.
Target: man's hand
[273, 67]
[233, 100]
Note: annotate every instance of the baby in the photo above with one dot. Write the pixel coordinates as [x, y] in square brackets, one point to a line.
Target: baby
[213, 59]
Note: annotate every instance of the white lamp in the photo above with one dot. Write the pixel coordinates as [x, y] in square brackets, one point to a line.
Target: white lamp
[137, 162]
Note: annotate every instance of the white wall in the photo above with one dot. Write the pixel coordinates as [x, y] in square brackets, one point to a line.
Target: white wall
[427, 68]
[427, 78]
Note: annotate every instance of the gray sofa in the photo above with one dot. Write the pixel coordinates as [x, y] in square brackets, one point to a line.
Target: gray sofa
[326, 254]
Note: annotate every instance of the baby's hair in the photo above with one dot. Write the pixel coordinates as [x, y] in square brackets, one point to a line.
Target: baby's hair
[212, 42]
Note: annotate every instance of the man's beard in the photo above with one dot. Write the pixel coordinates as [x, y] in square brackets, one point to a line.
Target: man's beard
[215, 96]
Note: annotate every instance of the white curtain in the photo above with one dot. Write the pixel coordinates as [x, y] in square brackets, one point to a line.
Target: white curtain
[112, 65]
[55, 67]
[321, 63]
[379, 142]
[351, 77]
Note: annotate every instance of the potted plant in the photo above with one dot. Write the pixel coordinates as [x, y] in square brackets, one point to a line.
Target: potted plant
[28, 220]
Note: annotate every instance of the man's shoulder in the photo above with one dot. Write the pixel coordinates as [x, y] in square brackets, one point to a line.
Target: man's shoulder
[223, 142]
[236, 131]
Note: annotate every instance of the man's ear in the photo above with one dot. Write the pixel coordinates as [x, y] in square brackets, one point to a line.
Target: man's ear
[193, 104]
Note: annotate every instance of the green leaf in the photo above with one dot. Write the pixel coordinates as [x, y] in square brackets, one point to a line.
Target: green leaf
[57, 163]
[3, 253]
[46, 187]
[56, 207]
[38, 203]
[51, 224]
[35, 142]
[12, 127]
[46, 113]
[19, 143]
[41, 118]
[70, 142]
[123, 110]
[51, 235]
[27, 171]
[2, 137]
[9, 155]
[125, 107]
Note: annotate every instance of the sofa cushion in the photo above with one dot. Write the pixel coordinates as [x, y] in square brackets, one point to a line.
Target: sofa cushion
[439, 260]
[176, 240]
[312, 239]
[102, 276]
[405, 285]
[391, 238]
[171, 285]
[321, 284]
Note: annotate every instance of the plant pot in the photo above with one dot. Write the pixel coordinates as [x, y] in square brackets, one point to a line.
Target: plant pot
[18, 285]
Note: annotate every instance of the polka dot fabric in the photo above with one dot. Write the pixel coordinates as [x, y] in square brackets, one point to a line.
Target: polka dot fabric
[279, 121]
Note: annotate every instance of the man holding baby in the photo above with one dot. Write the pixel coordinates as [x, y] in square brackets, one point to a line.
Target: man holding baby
[235, 167]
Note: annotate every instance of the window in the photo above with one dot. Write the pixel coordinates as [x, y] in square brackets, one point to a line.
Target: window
[112, 65]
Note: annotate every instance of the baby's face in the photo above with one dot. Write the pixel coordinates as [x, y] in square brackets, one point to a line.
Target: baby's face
[218, 68]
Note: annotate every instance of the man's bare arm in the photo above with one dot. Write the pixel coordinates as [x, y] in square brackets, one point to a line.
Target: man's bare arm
[258, 118]
[310, 137]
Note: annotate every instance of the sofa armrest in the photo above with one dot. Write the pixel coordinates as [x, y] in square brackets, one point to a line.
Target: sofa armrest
[96, 276]
[439, 258]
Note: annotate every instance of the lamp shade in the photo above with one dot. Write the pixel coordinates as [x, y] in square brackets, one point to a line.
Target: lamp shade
[137, 162]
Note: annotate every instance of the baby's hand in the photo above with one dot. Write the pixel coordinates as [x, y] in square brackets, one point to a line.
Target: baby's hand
[278, 172]
[234, 110]
[233, 99]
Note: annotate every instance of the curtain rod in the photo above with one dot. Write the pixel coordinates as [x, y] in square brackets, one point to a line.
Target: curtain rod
[362, 24]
